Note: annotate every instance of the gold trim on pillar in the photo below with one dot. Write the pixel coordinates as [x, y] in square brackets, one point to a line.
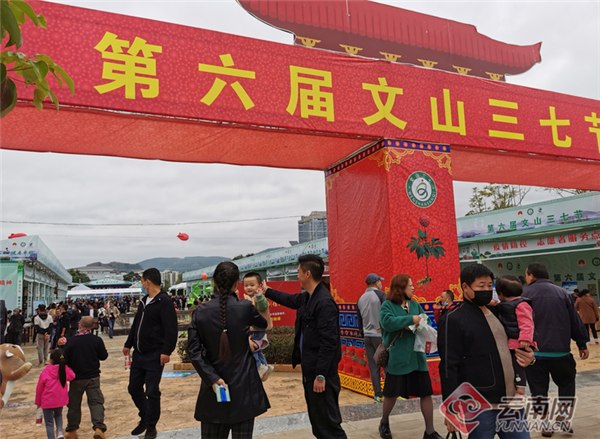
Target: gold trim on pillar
[388, 156]
[329, 182]
[443, 159]
[335, 295]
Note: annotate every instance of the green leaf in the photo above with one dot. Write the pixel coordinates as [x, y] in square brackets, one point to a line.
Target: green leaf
[27, 70]
[2, 73]
[19, 15]
[9, 22]
[60, 82]
[38, 98]
[8, 57]
[8, 97]
[66, 77]
[42, 21]
[53, 98]
[42, 69]
[26, 9]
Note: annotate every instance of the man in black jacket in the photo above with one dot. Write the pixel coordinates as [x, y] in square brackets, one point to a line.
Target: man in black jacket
[473, 349]
[556, 323]
[83, 352]
[317, 346]
[153, 336]
[17, 321]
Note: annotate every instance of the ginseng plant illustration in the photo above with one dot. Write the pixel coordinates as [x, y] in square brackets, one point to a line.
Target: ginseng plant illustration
[425, 246]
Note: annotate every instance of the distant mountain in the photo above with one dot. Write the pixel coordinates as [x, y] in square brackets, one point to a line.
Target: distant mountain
[182, 264]
[119, 266]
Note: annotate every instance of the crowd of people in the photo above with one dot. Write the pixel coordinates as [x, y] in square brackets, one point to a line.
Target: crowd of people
[496, 346]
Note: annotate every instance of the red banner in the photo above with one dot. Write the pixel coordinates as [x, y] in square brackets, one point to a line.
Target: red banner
[142, 66]
[280, 315]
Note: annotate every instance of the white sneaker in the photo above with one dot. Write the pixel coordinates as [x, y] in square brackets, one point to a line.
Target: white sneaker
[268, 372]
[596, 340]
[60, 435]
[262, 371]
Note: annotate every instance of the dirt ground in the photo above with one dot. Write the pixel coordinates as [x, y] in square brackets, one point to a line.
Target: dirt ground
[178, 398]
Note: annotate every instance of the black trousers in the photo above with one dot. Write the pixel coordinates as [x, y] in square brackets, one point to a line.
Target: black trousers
[563, 373]
[591, 327]
[146, 371]
[241, 430]
[324, 408]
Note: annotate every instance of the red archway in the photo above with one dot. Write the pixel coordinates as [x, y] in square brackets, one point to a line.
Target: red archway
[243, 101]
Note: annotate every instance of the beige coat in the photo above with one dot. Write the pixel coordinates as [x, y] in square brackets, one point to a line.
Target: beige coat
[587, 309]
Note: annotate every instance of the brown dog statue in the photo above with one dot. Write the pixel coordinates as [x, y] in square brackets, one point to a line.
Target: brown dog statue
[13, 367]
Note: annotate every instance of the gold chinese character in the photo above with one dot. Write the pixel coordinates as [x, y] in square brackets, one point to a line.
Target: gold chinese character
[313, 101]
[219, 84]
[130, 65]
[384, 110]
[555, 123]
[505, 119]
[460, 129]
[594, 120]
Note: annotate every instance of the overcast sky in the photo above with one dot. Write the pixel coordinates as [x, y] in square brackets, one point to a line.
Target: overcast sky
[102, 190]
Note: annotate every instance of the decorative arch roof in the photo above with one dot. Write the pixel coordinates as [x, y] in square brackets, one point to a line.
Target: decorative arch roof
[375, 30]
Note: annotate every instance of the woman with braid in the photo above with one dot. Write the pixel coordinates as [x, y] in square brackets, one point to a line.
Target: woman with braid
[219, 349]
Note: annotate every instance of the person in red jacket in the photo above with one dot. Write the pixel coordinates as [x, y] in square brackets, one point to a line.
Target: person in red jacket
[52, 393]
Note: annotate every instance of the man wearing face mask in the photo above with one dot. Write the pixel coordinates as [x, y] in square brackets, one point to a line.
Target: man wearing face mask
[153, 336]
[473, 349]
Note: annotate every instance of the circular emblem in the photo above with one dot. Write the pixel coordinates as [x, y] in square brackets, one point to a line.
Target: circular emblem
[596, 262]
[530, 211]
[23, 244]
[421, 189]
[509, 266]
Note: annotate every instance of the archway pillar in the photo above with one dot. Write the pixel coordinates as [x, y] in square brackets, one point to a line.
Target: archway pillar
[390, 210]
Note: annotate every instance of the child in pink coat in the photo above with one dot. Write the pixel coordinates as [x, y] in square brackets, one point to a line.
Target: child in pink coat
[52, 393]
[516, 315]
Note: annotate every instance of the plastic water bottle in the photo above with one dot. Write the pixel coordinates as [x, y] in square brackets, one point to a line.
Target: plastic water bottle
[38, 417]
[127, 362]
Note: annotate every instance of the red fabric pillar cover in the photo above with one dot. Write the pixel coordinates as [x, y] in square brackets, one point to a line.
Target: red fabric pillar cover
[379, 202]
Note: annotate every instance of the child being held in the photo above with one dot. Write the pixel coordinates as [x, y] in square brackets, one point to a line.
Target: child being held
[52, 393]
[516, 315]
[252, 282]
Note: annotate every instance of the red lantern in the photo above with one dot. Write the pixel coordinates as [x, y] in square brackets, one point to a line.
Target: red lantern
[183, 236]
[204, 276]
[16, 235]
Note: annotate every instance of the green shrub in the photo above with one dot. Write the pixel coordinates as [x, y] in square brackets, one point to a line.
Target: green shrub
[182, 350]
[279, 351]
[281, 345]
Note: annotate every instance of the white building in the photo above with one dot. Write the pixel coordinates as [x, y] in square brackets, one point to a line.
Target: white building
[169, 275]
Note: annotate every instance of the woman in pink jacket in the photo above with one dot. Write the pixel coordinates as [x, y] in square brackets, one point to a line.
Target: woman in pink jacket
[52, 393]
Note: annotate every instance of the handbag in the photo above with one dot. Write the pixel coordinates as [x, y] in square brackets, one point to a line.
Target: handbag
[382, 354]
